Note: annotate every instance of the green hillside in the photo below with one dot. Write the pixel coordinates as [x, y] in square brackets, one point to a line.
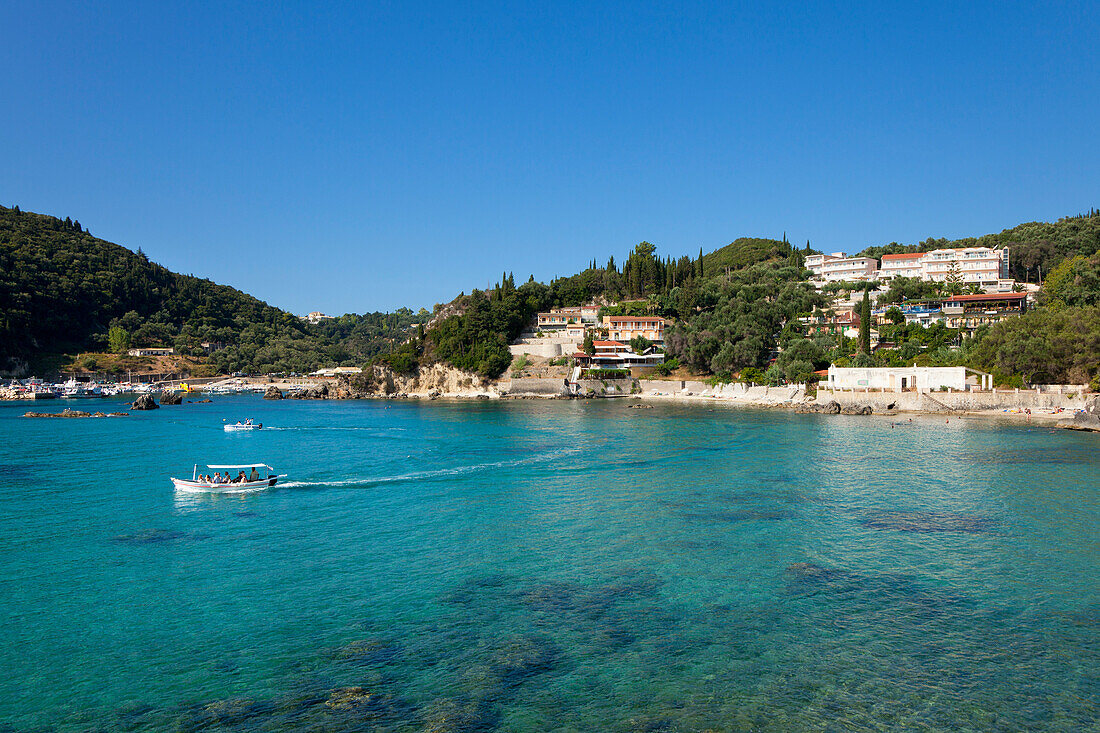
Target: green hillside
[1035, 247]
[64, 291]
[743, 252]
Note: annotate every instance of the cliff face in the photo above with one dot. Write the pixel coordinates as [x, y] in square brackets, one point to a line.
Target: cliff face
[437, 380]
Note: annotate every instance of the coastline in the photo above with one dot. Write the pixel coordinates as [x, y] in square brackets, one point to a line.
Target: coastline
[1059, 411]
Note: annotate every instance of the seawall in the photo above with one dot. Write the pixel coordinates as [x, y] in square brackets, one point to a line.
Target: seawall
[955, 401]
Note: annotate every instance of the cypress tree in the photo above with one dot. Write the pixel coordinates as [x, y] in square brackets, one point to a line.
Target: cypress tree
[865, 323]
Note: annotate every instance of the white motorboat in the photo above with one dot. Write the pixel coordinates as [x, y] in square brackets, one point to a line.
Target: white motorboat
[199, 483]
[246, 425]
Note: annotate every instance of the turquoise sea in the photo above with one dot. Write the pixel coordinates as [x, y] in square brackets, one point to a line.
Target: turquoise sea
[548, 566]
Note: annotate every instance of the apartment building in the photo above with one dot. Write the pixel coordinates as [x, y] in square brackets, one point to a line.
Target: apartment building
[561, 318]
[836, 267]
[983, 266]
[968, 312]
[624, 328]
[903, 265]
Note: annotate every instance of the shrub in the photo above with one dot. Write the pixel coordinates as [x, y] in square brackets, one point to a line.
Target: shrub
[605, 374]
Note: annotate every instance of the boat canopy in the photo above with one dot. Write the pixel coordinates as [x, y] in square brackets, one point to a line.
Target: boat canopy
[243, 465]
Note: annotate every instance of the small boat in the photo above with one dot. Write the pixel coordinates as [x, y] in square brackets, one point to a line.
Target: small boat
[246, 425]
[197, 483]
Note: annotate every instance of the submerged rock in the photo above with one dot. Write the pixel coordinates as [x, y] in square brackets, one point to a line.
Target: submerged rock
[449, 716]
[367, 651]
[155, 536]
[927, 522]
[519, 657]
[358, 699]
[554, 597]
[144, 402]
[233, 712]
[811, 572]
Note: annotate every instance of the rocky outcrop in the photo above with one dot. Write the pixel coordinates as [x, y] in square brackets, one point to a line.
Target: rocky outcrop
[273, 393]
[320, 392]
[429, 382]
[1087, 418]
[828, 408]
[76, 413]
[171, 398]
[856, 410]
[144, 402]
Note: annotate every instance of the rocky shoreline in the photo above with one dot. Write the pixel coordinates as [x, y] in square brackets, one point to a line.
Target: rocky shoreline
[75, 414]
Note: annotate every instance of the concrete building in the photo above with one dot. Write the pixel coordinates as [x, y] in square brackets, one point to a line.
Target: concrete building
[316, 317]
[150, 351]
[968, 312]
[559, 318]
[617, 355]
[906, 379]
[983, 266]
[834, 325]
[836, 267]
[903, 265]
[624, 328]
[334, 371]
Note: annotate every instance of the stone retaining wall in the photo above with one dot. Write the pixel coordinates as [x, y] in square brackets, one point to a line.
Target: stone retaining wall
[605, 387]
[535, 386]
[955, 401]
[548, 350]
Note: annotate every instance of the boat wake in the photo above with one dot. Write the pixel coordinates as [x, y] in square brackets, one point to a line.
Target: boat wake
[337, 427]
[434, 474]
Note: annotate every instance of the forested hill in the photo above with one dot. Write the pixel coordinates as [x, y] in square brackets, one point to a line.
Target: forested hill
[64, 291]
[1035, 247]
[60, 289]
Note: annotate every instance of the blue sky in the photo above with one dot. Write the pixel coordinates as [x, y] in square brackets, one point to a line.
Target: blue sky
[364, 156]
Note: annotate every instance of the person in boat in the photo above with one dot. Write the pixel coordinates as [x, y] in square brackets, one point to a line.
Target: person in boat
[217, 477]
[240, 478]
[248, 421]
[253, 476]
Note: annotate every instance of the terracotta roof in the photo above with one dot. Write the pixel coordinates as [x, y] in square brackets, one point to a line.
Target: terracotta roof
[985, 296]
[635, 319]
[609, 343]
[914, 256]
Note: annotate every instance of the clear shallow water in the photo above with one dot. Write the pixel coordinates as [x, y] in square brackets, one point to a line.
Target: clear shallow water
[538, 565]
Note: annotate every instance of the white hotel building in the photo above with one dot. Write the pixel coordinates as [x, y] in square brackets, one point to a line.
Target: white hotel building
[836, 267]
[983, 266]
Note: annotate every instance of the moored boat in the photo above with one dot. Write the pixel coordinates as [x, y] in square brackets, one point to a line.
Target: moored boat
[252, 482]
